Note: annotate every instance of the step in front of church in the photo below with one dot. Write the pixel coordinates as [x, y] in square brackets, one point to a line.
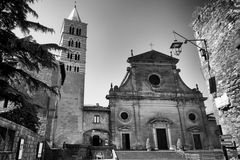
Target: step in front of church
[153, 155]
[170, 155]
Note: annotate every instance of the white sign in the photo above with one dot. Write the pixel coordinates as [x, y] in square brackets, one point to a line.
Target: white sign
[226, 136]
[40, 147]
[227, 143]
[20, 153]
[222, 101]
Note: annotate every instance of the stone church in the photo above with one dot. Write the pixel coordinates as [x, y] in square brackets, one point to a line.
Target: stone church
[152, 103]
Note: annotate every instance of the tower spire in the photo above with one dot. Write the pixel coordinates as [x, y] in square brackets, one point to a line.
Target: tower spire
[74, 14]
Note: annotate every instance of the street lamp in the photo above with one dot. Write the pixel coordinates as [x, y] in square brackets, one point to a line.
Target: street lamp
[176, 46]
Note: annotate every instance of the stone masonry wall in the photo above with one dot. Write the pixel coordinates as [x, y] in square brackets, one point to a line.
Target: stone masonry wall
[219, 23]
[31, 141]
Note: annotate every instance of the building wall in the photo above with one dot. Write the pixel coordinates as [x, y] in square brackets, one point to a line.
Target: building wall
[218, 22]
[142, 112]
[45, 99]
[89, 120]
[31, 141]
[100, 129]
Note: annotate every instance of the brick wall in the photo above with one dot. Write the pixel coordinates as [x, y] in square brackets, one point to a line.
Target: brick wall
[218, 22]
[9, 144]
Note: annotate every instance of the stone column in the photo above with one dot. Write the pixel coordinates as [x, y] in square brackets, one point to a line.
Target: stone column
[155, 138]
[169, 138]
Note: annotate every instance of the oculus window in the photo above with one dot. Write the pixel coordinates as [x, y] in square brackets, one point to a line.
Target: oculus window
[124, 115]
[154, 79]
[192, 116]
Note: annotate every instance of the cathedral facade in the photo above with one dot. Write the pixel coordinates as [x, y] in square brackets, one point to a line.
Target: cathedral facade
[153, 104]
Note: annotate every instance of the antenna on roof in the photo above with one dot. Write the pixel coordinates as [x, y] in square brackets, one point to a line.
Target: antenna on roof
[131, 52]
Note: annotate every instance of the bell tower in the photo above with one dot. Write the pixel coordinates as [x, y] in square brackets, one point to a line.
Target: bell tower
[69, 115]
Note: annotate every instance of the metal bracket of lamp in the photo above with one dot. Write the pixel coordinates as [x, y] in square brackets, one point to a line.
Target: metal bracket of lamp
[176, 46]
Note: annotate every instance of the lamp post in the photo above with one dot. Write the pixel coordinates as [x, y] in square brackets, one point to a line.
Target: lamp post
[176, 46]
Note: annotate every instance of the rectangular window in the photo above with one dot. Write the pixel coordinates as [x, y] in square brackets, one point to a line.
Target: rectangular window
[96, 119]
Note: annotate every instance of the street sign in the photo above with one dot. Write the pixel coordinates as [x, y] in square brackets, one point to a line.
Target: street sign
[226, 136]
[227, 143]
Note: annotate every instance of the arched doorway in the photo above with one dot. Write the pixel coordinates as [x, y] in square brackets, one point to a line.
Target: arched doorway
[96, 140]
[96, 137]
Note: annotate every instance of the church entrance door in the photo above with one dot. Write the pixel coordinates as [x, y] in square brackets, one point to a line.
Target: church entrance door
[96, 140]
[126, 141]
[197, 141]
[162, 139]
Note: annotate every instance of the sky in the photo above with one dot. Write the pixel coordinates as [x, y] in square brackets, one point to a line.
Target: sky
[117, 26]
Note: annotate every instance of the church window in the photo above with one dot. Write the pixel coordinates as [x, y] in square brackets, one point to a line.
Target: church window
[124, 115]
[71, 56]
[96, 119]
[154, 79]
[78, 58]
[72, 43]
[79, 44]
[77, 31]
[71, 30]
[69, 43]
[68, 55]
[192, 116]
[67, 67]
[77, 69]
[76, 44]
[70, 68]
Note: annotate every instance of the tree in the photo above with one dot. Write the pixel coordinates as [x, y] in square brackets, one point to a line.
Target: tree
[21, 56]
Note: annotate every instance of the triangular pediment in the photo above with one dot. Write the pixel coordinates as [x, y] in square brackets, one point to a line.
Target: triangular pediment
[152, 57]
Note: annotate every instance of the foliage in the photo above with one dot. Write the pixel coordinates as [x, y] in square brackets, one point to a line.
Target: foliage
[19, 57]
[24, 115]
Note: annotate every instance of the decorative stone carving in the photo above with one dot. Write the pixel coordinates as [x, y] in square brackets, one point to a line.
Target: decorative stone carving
[124, 128]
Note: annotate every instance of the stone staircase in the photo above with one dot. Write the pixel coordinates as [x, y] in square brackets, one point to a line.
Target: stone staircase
[149, 155]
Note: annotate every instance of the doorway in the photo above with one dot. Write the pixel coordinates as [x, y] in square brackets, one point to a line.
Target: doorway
[96, 140]
[162, 139]
[197, 141]
[126, 141]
